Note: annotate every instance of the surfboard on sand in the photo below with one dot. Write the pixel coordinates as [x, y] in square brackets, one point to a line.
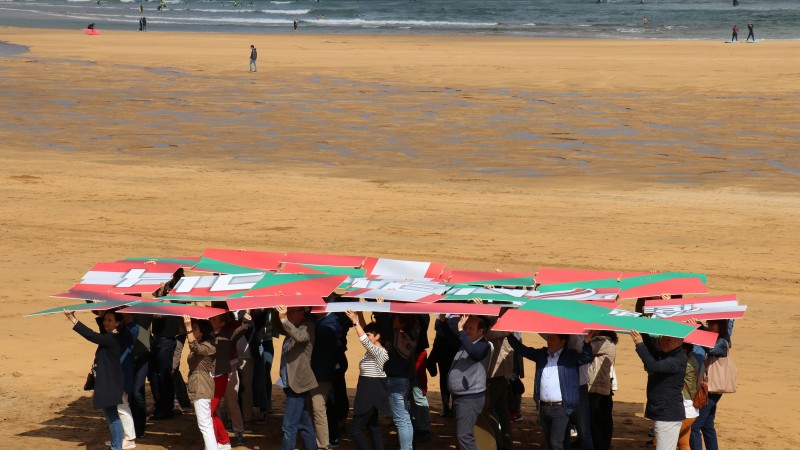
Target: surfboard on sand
[91, 32]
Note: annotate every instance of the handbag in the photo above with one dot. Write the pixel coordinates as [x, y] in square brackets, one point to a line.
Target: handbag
[700, 398]
[89, 384]
[721, 374]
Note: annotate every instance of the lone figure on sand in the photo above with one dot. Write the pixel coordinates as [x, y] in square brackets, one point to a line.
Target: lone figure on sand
[750, 33]
[253, 57]
[735, 35]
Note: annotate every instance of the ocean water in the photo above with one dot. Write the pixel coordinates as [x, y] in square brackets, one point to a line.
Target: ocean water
[614, 19]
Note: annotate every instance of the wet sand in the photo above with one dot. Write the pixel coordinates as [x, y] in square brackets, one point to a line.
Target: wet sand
[479, 152]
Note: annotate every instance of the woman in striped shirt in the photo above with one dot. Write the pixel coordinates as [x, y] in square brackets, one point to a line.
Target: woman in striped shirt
[372, 393]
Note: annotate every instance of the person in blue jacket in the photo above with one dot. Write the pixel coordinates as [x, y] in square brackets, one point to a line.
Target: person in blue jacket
[556, 385]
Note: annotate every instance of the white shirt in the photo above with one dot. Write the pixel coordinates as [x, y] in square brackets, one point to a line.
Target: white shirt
[549, 386]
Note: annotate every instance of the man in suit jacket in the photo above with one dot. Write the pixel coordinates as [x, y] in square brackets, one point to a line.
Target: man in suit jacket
[557, 383]
[297, 378]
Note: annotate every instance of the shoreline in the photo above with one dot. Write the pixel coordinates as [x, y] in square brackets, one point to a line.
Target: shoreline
[481, 152]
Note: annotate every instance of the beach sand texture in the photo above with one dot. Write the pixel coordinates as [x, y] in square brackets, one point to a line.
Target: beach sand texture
[478, 152]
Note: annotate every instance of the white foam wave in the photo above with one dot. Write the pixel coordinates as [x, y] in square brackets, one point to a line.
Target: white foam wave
[266, 11]
[400, 23]
[280, 3]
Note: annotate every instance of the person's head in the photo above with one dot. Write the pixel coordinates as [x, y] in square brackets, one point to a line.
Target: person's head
[669, 343]
[111, 321]
[404, 322]
[128, 318]
[201, 329]
[556, 342]
[252, 46]
[476, 327]
[373, 332]
[218, 321]
[296, 314]
[611, 335]
[719, 326]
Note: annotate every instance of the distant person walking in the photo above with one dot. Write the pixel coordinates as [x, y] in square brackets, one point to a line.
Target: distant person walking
[750, 33]
[735, 35]
[144, 23]
[253, 57]
[294, 25]
[140, 24]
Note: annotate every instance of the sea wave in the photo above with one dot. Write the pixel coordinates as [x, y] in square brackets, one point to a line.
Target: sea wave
[294, 12]
[399, 23]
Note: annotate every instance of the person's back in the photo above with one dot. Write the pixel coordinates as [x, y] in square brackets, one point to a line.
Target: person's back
[665, 363]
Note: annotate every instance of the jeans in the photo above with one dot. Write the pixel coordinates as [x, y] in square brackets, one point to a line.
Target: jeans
[115, 426]
[368, 420]
[296, 418]
[420, 409]
[555, 423]
[580, 418]
[398, 399]
[703, 427]
[202, 411]
[467, 411]
[138, 400]
[262, 377]
[253, 67]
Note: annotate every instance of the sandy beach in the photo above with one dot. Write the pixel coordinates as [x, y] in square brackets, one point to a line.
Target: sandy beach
[475, 151]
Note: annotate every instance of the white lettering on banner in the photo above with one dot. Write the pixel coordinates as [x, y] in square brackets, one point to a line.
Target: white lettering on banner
[623, 313]
[670, 311]
[219, 283]
[236, 282]
[139, 276]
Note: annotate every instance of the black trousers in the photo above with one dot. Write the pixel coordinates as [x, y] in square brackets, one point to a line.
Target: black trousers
[602, 422]
[367, 421]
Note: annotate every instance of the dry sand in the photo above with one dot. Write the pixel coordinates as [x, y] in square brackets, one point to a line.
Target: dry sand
[479, 152]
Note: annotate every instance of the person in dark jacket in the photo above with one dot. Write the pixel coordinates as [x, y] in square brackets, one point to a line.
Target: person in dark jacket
[323, 364]
[253, 57]
[467, 377]
[665, 364]
[445, 346]
[556, 387]
[107, 369]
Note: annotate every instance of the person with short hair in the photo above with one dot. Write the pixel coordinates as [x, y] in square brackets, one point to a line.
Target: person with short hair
[556, 385]
[467, 377]
[253, 57]
[665, 363]
[296, 377]
[372, 392]
[703, 430]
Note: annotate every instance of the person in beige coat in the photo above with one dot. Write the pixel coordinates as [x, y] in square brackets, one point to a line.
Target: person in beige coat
[296, 376]
[202, 353]
[601, 403]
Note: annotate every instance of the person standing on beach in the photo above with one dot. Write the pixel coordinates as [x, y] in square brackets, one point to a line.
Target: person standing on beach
[750, 33]
[253, 57]
[140, 24]
[735, 35]
[294, 24]
[144, 23]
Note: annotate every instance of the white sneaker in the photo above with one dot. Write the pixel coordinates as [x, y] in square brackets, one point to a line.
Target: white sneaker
[125, 444]
[223, 446]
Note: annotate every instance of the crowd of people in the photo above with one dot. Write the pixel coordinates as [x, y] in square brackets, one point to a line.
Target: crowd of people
[230, 357]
